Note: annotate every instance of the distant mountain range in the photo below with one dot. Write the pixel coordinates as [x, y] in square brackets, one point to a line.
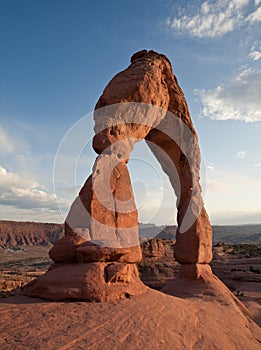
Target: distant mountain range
[15, 233]
[234, 234]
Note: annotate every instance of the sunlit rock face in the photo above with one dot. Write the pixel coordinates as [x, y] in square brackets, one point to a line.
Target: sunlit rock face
[142, 102]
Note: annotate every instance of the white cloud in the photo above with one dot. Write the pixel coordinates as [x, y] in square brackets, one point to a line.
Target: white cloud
[257, 165]
[214, 19]
[255, 55]
[257, 2]
[237, 100]
[210, 166]
[255, 51]
[255, 16]
[19, 191]
[39, 215]
[241, 154]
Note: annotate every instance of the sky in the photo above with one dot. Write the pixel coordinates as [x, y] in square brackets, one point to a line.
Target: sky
[57, 56]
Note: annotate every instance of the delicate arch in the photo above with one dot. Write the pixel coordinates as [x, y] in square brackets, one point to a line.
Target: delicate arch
[149, 81]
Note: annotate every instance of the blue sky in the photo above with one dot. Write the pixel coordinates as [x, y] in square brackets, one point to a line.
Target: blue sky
[57, 57]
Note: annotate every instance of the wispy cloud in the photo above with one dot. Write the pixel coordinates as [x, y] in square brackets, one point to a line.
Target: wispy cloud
[255, 55]
[13, 139]
[237, 100]
[255, 16]
[255, 51]
[241, 154]
[15, 147]
[210, 166]
[257, 165]
[6, 145]
[214, 18]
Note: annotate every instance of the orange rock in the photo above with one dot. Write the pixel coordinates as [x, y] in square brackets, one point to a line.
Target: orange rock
[105, 206]
[90, 252]
[64, 250]
[149, 79]
[142, 102]
[195, 245]
[195, 271]
[90, 281]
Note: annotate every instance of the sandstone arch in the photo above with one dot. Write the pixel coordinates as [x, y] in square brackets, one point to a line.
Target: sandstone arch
[142, 102]
[149, 79]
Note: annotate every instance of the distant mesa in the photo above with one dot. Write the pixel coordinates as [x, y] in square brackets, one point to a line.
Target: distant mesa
[96, 258]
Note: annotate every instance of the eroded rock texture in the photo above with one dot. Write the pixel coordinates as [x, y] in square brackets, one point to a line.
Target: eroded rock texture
[142, 102]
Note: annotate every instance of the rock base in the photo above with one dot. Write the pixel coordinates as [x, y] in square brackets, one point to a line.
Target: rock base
[87, 281]
[196, 282]
[195, 271]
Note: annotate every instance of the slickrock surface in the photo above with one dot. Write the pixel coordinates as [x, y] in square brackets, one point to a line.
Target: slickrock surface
[193, 317]
[237, 266]
[198, 316]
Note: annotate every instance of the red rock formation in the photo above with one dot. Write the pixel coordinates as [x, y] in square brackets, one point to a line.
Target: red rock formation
[149, 79]
[96, 281]
[142, 102]
[64, 250]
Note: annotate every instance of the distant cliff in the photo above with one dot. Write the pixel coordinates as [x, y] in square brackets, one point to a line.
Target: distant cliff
[15, 233]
